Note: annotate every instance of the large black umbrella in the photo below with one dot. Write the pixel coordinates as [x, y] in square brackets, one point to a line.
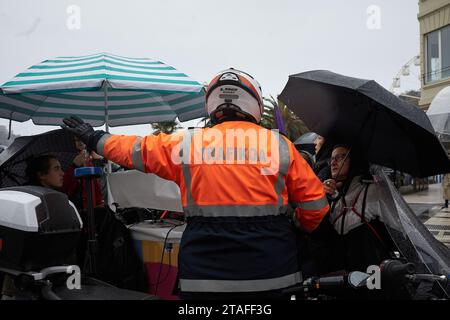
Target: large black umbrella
[361, 113]
[13, 160]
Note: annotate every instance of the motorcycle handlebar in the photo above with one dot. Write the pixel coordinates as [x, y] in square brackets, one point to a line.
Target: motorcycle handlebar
[390, 269]
[317, 284]
[395, 268]
[331, 282]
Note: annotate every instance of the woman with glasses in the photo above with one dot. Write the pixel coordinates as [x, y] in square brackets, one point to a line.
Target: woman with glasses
[357, 236]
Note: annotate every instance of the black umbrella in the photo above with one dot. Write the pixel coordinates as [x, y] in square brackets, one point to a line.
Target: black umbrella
[307, 138]
[306, 142]
[13, 160]
[361, 113]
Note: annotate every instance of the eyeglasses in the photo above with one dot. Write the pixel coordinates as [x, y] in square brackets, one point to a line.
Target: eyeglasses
[337, 158]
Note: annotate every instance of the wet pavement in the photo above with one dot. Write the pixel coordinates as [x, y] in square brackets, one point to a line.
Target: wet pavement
[428, 205]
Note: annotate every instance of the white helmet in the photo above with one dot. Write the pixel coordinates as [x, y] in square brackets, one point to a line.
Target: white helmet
[234, 91]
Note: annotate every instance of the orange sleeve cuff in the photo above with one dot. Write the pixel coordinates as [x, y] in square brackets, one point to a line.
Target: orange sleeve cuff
[310, 219]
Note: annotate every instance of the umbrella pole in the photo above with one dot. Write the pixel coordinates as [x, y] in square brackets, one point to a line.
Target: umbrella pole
[343, 161]
[87, 176]
[10, 125]
[90, 262]
[108, 164]
[105, 92]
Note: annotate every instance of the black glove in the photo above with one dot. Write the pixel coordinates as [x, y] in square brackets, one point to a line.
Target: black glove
[83, 131]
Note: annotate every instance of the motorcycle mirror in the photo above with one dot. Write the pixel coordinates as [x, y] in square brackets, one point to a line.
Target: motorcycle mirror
[358, 279]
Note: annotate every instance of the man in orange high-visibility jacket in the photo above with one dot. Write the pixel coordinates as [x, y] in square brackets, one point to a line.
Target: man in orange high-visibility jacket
[238, 182]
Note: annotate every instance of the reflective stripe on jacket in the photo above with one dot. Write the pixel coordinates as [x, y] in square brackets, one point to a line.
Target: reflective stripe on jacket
[235, 195]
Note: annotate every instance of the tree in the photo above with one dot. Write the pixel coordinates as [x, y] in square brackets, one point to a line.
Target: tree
[293, 125]
[268, 117]
[165, 127]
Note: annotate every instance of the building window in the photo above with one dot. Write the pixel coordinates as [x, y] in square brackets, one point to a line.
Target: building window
[438, 55]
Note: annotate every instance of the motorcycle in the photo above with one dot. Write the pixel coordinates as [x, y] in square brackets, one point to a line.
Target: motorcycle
[39, 230]
[59, 283]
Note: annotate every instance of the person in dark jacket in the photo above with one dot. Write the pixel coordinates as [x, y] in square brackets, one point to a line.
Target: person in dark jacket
[323, 152]
[76, 188]
[356, 236]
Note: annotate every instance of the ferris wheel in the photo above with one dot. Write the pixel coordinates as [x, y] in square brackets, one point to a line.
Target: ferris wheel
[408, 77]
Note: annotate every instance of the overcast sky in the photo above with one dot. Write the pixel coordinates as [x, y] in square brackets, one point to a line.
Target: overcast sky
[268, 39]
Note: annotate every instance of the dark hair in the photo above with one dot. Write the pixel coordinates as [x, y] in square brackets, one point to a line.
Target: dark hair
[322, 158]
[340, 145]
[38, 165]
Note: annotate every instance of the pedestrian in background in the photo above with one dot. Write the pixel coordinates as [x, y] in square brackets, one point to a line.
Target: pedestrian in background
[323, 153]
[446, 189]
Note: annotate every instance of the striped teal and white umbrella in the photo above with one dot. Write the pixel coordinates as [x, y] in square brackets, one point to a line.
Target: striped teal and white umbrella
[102, 89]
